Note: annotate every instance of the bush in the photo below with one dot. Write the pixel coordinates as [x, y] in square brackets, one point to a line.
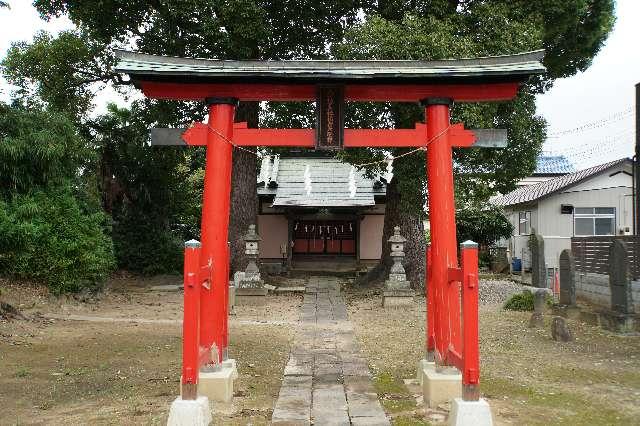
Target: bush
[48, 236]
[520, 302]
[143, 245]
[524, 301]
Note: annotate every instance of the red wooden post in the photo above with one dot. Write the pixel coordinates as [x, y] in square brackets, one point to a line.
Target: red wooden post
[471, 349]
[191, 320]
[443, 225]
[215, 223]
[430, 294]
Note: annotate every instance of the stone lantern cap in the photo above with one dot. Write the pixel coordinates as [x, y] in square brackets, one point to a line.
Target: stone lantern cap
[251, 234]
[396, 237]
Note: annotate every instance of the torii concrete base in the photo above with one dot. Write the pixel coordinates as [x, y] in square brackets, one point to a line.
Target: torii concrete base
[440, 385]
[423, 365]
[185, 412]
[217, 385]
[470, 413]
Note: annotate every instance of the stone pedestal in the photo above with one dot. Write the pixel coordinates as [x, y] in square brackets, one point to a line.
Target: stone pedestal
[423, 366]
[439, 386]
[470, 413]
[618, 322]
[250, 296]
[185, 412]
[217, 384]
[397, 298]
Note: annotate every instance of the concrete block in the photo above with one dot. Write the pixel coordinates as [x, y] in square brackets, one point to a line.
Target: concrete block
[439, 387]
[217, 385]
[231, 363]
[470, 413]
[185, 412]
[423, 365]
[250, 296]
[397, 298]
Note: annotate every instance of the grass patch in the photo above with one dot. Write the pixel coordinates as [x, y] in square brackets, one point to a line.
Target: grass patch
[23, 372]
[393, 394]
[409, 421]
[589, 376]
[562, 408]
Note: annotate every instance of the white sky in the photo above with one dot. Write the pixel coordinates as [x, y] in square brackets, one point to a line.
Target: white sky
[601, 98]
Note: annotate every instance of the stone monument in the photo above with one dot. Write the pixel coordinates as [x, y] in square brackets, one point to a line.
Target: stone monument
[621, 317]
[538, 266]
[539, 299]
[397, 290]
[250, 286]
[567, 278]
[560, 330]
[567, 307]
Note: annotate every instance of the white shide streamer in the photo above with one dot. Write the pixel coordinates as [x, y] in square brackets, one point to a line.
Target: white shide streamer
[352, 182]
[264, 169]
[388, 175]
[274, 169]
[307, 180]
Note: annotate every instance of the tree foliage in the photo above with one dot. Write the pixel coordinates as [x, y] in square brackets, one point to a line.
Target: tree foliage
[143, 187]
[52, 229]
[147, 190]
[51, 237]
[39, 149]
[485, 225]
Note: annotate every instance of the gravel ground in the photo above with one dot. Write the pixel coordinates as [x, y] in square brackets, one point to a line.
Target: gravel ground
[528, 378]
[495, 291]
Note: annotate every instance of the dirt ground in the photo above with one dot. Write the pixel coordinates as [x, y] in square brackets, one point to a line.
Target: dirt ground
[114, 371]
[123, 366]
[526, 376]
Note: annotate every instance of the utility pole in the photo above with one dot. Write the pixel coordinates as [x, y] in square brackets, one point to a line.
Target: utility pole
[636, 168]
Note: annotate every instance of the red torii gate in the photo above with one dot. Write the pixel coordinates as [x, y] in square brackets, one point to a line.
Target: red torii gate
[435, 84]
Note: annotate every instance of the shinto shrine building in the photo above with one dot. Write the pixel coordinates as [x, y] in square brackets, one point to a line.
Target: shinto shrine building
[328, 225]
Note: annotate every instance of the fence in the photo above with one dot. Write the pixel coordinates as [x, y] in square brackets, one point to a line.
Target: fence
[592, 254]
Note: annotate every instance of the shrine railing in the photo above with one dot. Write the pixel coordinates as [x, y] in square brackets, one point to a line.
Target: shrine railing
[194, 355]
[463, 350]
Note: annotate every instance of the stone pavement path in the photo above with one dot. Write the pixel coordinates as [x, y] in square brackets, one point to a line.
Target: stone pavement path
[327, 380]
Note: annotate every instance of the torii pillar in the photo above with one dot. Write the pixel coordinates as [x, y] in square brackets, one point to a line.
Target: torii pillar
[216, 379]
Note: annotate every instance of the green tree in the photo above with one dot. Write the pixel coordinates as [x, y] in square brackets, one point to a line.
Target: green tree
[482, 224]
[437, 29]
[230, 29]
[146, 190]
[53, 229]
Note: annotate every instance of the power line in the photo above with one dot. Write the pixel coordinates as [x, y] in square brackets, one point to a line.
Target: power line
[618, 116]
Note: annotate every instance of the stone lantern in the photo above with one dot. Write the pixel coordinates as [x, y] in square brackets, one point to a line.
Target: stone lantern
[250, 284]
[397, 290]
[251, 240]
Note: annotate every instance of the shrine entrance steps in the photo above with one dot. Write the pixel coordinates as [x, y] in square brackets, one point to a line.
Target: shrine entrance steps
[327, 380]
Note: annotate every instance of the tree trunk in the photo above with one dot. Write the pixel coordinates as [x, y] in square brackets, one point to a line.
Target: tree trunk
[411, 227]
[244, 198]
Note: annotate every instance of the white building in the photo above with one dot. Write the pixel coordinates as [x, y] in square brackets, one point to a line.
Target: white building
[594, 201]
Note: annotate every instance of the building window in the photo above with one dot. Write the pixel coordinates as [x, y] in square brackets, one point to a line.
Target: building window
[524, 223]
[588, 221]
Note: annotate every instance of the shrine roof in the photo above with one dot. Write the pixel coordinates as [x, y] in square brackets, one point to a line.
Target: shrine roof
[507, 68]
[283, 179]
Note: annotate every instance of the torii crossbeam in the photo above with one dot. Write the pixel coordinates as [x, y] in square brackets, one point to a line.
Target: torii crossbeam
[435, 84]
